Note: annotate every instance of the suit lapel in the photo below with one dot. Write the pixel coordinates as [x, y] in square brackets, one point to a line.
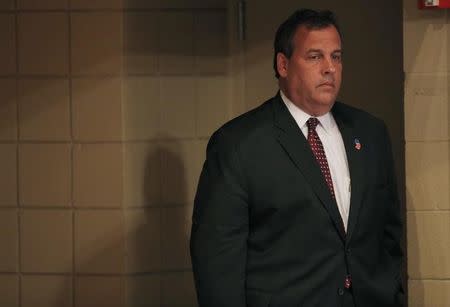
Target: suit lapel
[356, 165]
[296, 146]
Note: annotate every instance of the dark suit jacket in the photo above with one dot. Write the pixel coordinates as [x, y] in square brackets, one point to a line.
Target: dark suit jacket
[266, 231]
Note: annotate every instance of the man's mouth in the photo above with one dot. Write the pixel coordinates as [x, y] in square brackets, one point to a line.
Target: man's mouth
[327, 84]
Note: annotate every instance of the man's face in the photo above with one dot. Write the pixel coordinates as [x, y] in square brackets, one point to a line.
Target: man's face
[311, 78]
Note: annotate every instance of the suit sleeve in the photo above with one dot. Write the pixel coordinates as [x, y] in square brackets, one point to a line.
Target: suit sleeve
[220, 228]
[393, 230]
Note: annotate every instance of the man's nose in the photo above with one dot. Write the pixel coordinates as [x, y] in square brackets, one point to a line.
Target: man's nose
[329, 66]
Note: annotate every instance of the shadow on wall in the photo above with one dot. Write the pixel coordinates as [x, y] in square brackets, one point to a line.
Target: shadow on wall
[163, 259]
[138, 256]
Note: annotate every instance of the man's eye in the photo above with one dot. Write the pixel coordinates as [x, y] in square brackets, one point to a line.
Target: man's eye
[337, 57]
[314, 56]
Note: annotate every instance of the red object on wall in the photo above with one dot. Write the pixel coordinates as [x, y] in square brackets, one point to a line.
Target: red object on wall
[436, 4]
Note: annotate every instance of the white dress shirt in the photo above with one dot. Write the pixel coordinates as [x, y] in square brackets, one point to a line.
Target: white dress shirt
[334, 148]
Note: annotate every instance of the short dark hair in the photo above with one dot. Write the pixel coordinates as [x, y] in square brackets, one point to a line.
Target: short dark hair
[305, 17]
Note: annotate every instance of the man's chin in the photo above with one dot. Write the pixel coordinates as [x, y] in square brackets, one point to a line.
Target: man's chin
[326, 100]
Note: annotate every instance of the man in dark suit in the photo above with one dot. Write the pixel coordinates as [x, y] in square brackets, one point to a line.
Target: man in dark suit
[297, 202]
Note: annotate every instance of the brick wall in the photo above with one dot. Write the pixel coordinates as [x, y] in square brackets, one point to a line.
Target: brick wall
[427, 131]
[105, 110]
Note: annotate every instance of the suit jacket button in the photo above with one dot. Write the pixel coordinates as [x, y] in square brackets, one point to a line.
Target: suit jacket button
[341, 291]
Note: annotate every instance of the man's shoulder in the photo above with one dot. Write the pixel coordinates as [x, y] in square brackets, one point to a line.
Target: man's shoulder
[247, 126]
[250, 121]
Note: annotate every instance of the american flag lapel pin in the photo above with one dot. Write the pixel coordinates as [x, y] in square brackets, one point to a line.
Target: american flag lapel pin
[357, 144]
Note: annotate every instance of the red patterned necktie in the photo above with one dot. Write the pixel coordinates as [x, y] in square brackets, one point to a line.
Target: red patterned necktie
[319, 153]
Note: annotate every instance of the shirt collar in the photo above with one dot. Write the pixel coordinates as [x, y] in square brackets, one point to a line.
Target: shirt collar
[301, 117]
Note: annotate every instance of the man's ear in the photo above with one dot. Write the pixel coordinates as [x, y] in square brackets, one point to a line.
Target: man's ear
[282, 64]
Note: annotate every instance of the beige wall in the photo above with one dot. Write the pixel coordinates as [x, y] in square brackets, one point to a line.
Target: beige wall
[105, 110]
[102, 136]
[427, 110]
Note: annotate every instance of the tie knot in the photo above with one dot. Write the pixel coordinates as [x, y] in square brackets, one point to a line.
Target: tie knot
[312, 123]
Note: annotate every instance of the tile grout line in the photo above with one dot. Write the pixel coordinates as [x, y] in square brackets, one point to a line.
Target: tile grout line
[124, 274]
[161, 246]
[428, 211]
[69, 274]
[194, 69]
[158, 68]
[116, 10]
[129, 141]
[125, 256]
[425, 141]
[19, 209]
[72, 147]
[161, 237]
[113, 76]
[430, 279]
[103, 208]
